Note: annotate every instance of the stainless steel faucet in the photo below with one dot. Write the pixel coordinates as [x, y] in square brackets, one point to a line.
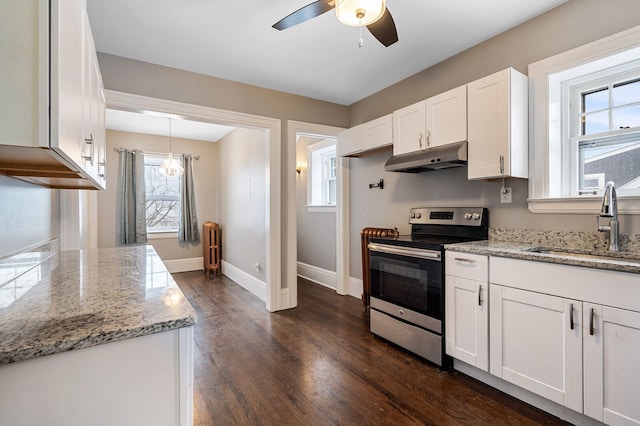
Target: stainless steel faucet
[609, 209]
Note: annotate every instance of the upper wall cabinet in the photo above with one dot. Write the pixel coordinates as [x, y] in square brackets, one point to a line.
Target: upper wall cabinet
[52, 95]
[498, 126]
[439, 120]
[366, 137]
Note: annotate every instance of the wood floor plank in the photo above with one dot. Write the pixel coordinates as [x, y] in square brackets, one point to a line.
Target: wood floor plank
[318, 364]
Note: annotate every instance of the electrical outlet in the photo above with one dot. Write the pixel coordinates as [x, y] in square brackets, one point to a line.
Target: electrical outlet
[505, 195]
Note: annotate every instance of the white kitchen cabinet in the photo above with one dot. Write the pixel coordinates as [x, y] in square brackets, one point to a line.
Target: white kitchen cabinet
[498, 126]
[409, 127]
[611, 354]
[366, 137]
[532, 343]
[467, 310]
[447, 117]
[536, 343]
[436, 121]
[46, 89]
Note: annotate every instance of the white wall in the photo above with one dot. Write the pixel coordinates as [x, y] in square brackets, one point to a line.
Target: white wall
[243, 179]
[205, 182]
[316, 232]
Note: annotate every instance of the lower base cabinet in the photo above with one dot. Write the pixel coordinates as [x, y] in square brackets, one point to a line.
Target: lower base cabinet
[145, 380]
[536, 343]
[546, 334]
[611, 364]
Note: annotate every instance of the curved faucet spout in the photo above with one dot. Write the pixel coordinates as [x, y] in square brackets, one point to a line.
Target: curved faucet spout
[610, 209]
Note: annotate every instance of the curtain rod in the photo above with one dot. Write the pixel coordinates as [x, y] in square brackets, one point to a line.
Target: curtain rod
[120, 149]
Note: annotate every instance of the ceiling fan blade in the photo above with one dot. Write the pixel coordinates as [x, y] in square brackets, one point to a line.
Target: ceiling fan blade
[303, 14]
[384, 29]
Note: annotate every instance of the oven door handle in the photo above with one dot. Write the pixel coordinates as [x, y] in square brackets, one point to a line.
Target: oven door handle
[405, 251]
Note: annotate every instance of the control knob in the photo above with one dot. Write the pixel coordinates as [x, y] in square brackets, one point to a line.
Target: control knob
[418, 215]
[467, 216]
[476, 216]
[413, 215]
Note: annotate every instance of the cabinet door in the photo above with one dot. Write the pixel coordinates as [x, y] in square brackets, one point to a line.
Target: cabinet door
[536, 343]
[349, 142]
[409, 125]
[467, 321]
[611, 356]
[497, 126]
[67, 79]
[377, 133]
[447, 117]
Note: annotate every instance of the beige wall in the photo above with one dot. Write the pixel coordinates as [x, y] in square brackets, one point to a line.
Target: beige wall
[29, 214]
[205, 182]
[243, 188]
[316, 236]
[568, 26]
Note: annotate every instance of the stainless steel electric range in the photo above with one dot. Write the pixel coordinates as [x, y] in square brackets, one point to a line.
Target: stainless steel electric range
[407, 278]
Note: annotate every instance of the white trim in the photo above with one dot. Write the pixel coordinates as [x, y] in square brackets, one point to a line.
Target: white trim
[317, 275]
[355, 288]
[272, 126]
[321, 209]
[343, 280]
[582, 205]
[295, 128]
[246, 281]
[184, 265]
[162, 235]
[541, 130]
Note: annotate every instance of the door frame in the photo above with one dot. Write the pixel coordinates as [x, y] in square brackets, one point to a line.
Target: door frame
[275, 297]
[295, 128]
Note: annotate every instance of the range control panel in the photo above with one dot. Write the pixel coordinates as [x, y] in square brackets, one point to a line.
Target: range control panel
[470, 216]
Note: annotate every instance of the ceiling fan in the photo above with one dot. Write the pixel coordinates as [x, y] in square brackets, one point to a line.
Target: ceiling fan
[356, 13]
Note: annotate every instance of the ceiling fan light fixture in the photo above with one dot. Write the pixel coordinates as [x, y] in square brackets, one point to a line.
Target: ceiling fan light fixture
[357, 13]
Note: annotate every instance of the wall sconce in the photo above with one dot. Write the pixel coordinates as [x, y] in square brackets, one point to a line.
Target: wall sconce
[298, 170]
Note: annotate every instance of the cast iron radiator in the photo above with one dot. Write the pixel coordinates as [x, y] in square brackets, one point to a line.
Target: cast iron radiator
[365, 235]
[211, 247]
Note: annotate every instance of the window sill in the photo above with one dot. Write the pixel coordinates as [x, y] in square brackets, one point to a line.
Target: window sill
[321, 209]
[582, 205]
[162, 235]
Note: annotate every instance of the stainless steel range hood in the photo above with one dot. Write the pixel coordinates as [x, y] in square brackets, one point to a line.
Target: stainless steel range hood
[441, 157]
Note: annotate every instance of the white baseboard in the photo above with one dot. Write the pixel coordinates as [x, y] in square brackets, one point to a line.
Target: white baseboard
[524, 395]
[317, 275]
[184, 265]
[244, 280]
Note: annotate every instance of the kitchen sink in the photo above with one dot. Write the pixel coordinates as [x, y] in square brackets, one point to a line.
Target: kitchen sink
[577, 254]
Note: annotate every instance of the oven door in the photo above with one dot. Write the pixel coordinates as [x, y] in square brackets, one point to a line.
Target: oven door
[407, 277]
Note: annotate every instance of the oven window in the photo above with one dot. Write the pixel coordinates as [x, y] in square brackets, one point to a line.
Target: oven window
[409, 282]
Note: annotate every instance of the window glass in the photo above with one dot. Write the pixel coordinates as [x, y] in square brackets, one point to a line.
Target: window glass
[322, 173]
[163, 196]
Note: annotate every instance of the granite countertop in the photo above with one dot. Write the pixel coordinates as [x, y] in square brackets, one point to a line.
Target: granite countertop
[622, 261]
[82, 298]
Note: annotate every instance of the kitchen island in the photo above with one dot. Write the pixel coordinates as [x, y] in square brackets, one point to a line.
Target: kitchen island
[96, 337]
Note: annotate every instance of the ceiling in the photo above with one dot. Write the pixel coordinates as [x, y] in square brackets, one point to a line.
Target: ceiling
[157, 124]
[319, 58]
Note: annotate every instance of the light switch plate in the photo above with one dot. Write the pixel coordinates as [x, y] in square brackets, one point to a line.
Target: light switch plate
[505, 195]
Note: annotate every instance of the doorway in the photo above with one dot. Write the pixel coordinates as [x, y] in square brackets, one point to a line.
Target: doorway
[273, 293]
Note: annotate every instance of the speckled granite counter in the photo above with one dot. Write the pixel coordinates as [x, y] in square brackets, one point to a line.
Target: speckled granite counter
[518, 250]
[78, 299]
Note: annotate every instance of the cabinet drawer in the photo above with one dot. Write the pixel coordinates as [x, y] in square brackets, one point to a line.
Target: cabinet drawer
[465, 265]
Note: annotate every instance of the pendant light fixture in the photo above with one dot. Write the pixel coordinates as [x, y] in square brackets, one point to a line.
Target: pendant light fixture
[170, 166]
[359, 13]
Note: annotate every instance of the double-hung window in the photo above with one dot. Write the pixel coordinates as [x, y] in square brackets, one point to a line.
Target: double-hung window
[163, 196]
[585, 122]
[604, 141]
[321, 183]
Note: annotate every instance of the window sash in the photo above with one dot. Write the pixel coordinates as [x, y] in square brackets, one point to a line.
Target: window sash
[171, 188]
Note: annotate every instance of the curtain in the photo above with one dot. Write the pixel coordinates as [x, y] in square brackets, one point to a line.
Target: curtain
[133, 199]
[188, 228]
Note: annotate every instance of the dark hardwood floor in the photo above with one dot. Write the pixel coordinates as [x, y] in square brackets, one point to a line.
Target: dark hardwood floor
[318, 364]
